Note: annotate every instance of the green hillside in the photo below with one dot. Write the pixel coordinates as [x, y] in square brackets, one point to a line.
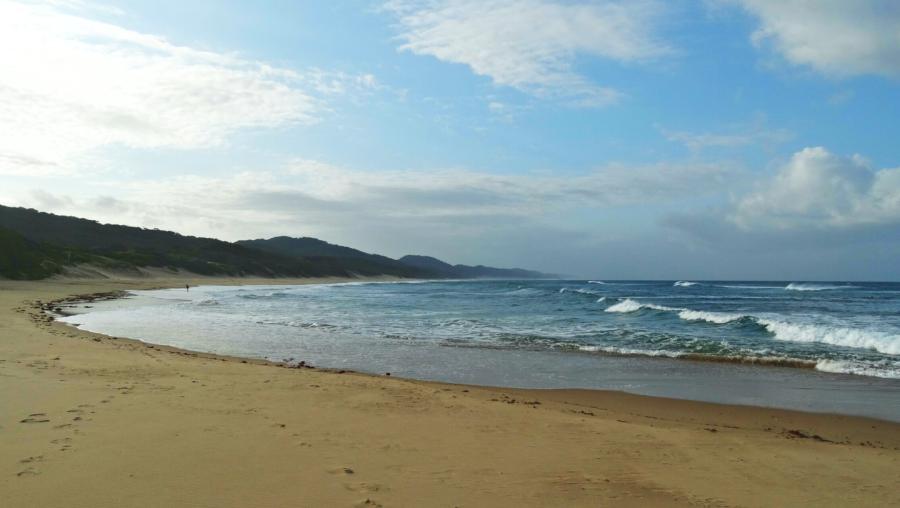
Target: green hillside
[36, 245]
[43, 243]
[314, 248]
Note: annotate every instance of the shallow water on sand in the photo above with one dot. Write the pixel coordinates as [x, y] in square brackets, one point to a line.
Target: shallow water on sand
[623, 335]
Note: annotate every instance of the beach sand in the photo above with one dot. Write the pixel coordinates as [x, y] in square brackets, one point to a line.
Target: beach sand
[93, 421]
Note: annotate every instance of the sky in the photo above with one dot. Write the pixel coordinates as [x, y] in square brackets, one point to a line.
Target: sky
[645, 139]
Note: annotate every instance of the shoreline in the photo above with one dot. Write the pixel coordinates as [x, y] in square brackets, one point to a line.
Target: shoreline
[55, 309]
[749, 368]
[414, 425]
[49, 309]
[764, 361]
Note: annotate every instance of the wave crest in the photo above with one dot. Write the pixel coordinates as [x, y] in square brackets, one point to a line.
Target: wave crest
[685, 284]
[579, 290]
[623, 351]
[834, 335]
[628, 305]
[882, 342]
[719, 318]
[880, 369]
[801, 286]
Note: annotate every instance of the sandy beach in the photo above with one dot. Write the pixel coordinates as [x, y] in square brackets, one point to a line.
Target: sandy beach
[94, 421]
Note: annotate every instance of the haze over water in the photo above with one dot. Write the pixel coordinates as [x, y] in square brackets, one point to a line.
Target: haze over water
[553, 333]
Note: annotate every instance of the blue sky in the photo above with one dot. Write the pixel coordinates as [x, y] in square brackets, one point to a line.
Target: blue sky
[643, 139]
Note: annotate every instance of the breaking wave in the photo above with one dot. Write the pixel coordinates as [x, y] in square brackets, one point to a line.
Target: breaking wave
[886, 369]
[579, 290]
[882, 342]
[719, 318]
[628, 305]
[890, 370]
[798, 286]
[777, 361]
[834, 335]
[684, 284]
[629, 351]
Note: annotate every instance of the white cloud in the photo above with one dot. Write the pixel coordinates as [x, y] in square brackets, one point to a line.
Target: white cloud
[69, 85]
[531, 45]
[819, 190]
[836, 37]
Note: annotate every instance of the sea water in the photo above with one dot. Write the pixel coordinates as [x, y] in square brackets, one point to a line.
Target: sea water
[815, 346]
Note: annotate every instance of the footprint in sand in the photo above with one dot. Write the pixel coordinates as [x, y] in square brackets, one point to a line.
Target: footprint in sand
[363, 487]
[29, 471]
[35, 418]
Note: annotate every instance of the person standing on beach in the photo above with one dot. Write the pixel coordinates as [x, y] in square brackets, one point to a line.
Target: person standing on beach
[187, 287]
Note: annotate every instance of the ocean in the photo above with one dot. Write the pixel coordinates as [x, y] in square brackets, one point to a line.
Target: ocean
[815, 346]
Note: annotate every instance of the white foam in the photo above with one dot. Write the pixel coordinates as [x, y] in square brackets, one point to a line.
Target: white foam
[861, 369]
[834, 335]
[579, 290]
[629, 351]
[629, 305]
[626, 305]
[719, 318]
[601, 299]
[798, 286]
[882, 342]
[596, 282]
[684, 284]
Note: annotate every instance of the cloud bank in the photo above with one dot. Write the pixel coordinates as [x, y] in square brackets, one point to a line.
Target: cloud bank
[465, 215]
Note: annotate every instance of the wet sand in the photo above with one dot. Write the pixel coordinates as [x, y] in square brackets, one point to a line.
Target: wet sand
[93, 421]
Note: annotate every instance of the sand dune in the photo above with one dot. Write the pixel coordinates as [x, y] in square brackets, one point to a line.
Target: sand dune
[93, 421]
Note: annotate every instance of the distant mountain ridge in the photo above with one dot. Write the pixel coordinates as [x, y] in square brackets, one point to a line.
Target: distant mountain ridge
[35, 245]
[306, 247]
[469, 272]
[422, 266]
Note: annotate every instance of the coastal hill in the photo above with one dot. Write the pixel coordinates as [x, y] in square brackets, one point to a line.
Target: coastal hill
[313, 248]
[424, 266]
[36, 245]
[468, 272]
